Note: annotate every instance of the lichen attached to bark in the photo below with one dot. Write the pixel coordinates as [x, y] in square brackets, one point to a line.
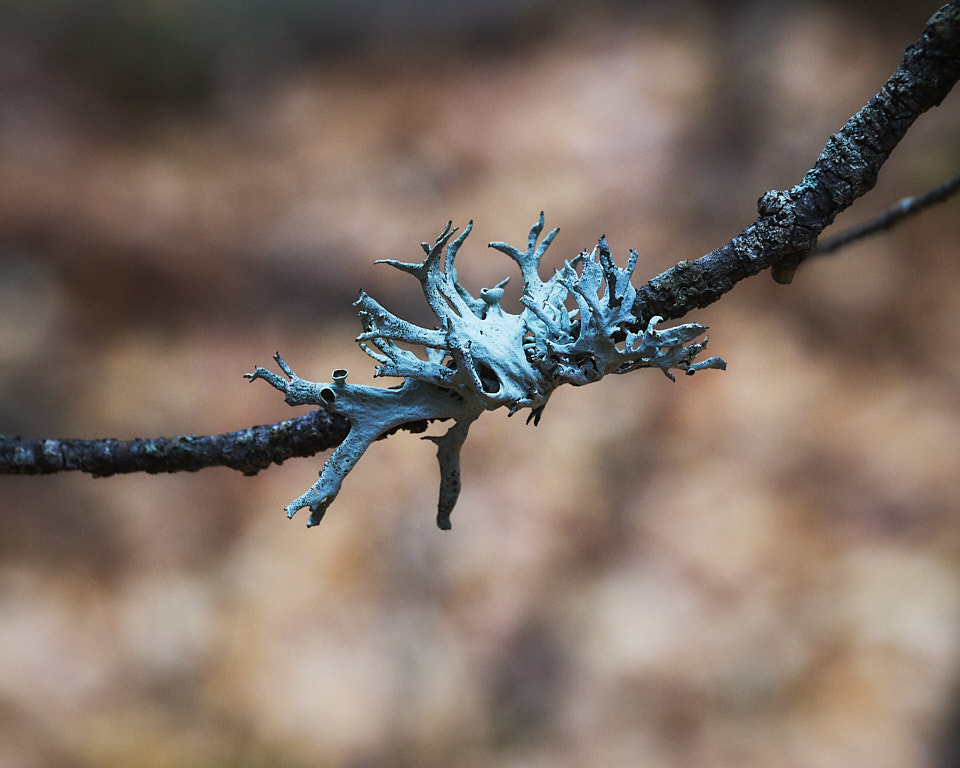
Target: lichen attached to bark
[481, 357]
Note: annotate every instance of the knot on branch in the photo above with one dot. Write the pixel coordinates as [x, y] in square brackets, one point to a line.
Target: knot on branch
[777, 229]
[778, 205]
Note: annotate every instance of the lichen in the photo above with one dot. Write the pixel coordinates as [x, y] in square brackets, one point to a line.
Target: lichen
[481, 357]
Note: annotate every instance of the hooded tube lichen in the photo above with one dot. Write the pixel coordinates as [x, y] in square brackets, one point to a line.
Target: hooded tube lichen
[481, 357]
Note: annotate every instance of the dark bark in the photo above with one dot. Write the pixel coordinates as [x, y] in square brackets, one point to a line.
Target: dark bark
[247, 450]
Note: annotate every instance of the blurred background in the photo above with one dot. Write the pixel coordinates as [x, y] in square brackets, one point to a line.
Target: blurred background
[751, 568]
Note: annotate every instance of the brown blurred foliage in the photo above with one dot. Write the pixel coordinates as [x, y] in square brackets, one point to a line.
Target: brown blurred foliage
[754, 568]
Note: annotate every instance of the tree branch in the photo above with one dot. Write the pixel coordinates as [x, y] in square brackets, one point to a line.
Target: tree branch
[790, 221]
[247, 450]
[784, 234]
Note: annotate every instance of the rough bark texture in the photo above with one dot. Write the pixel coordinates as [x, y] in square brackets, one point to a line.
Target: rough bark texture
[247, 450]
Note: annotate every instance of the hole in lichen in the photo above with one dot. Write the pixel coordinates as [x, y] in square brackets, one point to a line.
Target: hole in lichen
[488, 379]
[328, 395]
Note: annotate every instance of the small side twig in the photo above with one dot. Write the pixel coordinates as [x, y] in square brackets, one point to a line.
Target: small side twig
[908, 206]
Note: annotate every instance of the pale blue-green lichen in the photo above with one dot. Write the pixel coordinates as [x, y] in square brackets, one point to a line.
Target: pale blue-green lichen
[482, 357]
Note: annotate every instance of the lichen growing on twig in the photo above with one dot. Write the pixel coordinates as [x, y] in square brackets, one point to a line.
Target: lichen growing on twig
[482, 357]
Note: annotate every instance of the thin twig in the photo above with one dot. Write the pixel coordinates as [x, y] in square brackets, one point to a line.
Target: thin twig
[908, 206]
